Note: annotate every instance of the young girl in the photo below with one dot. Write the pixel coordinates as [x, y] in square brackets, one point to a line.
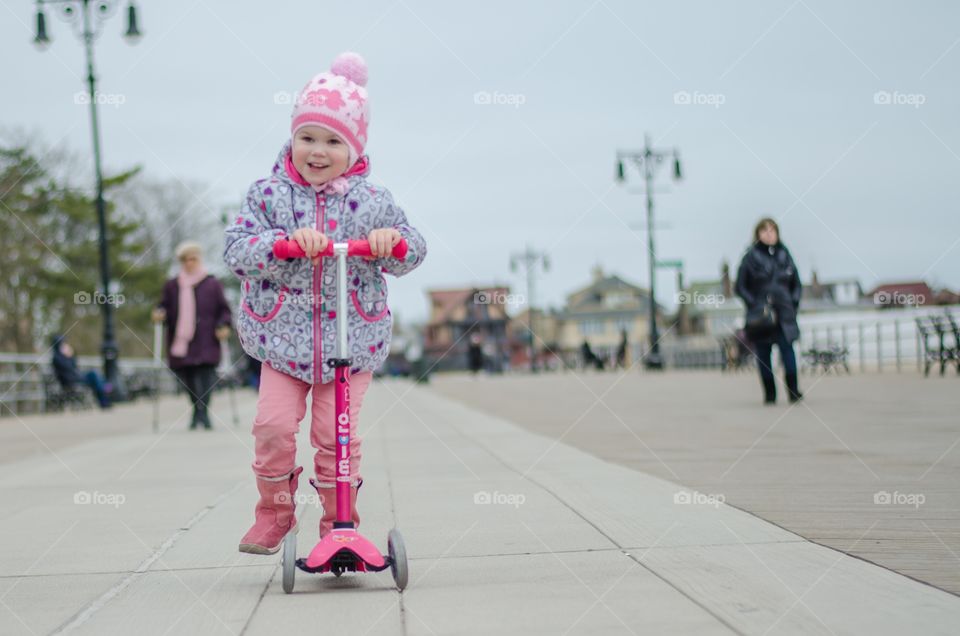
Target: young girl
[315, 194]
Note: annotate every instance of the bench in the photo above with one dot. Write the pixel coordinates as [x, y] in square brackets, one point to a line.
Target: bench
[935, 335]
[56, 398]
[831, 358]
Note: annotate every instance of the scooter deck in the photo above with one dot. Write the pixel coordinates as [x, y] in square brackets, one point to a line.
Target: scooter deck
[344, 549]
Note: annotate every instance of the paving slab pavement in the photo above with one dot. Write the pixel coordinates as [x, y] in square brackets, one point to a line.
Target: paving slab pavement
[816, 468]
[507, 531]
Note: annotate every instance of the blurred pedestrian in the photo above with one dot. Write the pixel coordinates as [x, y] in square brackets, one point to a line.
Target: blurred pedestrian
[622, 350]
[589, 357]
[769, 284]
[197, 317]
[475, 354]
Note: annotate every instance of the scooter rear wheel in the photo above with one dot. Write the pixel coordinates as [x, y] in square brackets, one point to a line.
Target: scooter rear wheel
[289, 561]
[397, 552]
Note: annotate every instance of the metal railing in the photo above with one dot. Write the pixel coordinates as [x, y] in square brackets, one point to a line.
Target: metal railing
[885, 340]
[881, 341]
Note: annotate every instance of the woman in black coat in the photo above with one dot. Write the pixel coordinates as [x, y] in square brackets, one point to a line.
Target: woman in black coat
[769, 284]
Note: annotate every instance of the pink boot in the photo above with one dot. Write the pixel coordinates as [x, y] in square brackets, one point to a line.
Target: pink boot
[328, 496]
[274, 514]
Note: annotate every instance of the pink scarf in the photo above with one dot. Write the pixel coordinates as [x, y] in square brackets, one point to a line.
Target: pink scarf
[186, 312]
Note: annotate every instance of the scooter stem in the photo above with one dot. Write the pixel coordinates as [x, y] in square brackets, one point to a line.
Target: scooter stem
[342, 391]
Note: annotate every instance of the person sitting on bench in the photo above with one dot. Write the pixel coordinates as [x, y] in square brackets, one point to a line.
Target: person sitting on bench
[69, 376]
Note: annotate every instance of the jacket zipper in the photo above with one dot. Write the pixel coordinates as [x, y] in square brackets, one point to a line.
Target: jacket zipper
[317, 288]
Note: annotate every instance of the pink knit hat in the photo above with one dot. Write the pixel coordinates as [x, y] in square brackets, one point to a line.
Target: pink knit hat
[337, 101]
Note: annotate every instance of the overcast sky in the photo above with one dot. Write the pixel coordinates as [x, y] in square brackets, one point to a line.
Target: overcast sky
[784, 119]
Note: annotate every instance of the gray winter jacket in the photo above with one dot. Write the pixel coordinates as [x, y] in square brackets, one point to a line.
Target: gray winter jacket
[287, 303]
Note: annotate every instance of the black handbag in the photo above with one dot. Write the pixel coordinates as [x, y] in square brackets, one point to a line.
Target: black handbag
[763, 325]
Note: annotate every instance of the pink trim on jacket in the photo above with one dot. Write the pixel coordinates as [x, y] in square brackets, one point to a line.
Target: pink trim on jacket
[273, 312]
[363, 314]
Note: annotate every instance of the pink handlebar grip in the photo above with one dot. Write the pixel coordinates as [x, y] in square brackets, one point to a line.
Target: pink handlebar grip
[289, 248]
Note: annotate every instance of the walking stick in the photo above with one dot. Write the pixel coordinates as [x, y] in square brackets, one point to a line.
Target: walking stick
[227, 365]
[157, 366]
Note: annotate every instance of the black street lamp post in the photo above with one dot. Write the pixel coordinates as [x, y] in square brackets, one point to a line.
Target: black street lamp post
[86, 18]
[648, 160]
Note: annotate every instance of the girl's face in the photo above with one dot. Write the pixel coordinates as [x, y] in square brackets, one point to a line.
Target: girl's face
[768, 235]
[319, 155]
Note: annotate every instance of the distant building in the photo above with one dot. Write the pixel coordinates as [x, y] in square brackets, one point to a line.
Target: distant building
[946, 297]
[599, 312]
[844, 293]
[520, 334]
[456, 314]
[908, 294]
[709, 307]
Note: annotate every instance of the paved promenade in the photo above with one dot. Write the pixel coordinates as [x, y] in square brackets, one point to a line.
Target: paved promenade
[513, 524]
[866, 464]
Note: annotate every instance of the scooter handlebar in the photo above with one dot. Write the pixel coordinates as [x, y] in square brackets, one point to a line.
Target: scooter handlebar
[289, 248]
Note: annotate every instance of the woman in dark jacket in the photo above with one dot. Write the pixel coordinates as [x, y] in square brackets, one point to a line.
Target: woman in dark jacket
[769, 285]
[197, 317]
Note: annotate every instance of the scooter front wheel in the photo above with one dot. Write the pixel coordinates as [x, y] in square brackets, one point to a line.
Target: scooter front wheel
[397, 552]
[289, 561]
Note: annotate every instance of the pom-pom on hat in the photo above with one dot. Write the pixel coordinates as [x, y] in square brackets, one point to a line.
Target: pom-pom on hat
[337, 100]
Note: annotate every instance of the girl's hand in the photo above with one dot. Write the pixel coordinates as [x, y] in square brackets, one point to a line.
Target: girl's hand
[311, 241]
[382, 241]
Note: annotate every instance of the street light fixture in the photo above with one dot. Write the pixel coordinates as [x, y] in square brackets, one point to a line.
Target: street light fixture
[530, 259]
[648, 160]
[132, 33]
[41, 40]
[86, 21]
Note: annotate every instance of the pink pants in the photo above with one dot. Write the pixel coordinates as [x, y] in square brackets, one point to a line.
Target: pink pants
[280, 408]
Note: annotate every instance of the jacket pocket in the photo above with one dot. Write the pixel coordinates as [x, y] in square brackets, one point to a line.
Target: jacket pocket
[262, 300]
[370, 299]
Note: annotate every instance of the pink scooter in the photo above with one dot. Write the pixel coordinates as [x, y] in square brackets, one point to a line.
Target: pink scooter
[343, 549]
